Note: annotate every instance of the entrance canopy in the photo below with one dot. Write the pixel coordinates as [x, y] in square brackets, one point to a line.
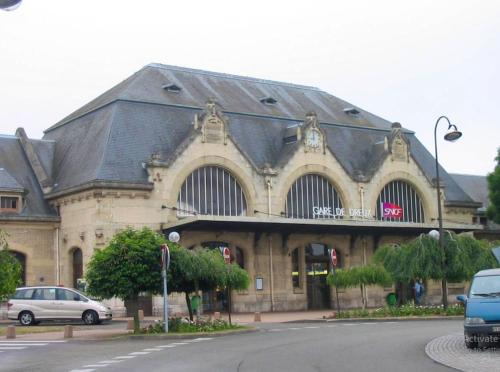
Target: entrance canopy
[313, 226]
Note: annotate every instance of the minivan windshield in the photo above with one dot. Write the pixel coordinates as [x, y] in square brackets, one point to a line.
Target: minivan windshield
[485, 286]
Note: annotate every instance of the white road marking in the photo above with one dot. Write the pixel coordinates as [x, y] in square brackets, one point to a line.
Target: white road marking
[164, 346]
[125, 357]
[180, 343]
[110, 361]
[311, 327]
[277, 330]
[82, 370]
[96, 365]
[370, 323]
[350, 324]
[294, 329]
[202, 339]
[16, 341]
[140, 353]
[154, 349]
[12, 347]
[16, 344]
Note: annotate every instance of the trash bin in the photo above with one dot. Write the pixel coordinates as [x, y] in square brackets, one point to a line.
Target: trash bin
[195, 303]
[391, 299]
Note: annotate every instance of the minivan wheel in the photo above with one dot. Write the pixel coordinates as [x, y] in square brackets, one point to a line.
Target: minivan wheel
[90, 317]
[26, 318]
[471, 341]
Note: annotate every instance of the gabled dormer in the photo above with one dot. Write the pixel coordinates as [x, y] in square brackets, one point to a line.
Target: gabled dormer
[313, 136]
[212, 123]
[397, 144]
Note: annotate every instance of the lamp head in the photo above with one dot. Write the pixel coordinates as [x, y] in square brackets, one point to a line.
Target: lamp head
[434, 234]
[453, 133]
[174, 237]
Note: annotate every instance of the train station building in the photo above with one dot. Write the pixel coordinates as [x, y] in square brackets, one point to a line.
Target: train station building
[277, 172]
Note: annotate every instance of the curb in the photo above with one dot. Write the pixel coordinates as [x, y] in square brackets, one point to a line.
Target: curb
[184, 336]
[391, 319]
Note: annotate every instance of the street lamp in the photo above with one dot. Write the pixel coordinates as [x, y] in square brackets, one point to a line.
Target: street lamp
[451, 135]
[165, 261]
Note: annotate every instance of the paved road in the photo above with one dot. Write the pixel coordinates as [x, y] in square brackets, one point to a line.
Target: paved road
[377, 346]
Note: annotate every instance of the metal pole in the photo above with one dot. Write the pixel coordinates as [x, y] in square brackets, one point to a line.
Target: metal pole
[444, 287]
[336, 291]
[165, 294]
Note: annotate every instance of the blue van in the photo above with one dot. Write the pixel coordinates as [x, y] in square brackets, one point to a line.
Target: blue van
[482, 309]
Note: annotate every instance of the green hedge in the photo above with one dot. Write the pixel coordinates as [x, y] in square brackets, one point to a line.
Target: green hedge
[402, 311]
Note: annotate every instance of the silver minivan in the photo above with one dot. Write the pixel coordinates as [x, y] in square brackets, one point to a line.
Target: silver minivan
[30, 305]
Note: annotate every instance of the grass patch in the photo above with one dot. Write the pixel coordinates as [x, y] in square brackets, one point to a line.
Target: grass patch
[35, 329]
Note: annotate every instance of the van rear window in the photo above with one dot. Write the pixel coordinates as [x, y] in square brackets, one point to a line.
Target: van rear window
[23, 294]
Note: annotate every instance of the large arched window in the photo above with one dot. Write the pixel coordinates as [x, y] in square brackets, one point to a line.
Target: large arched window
[313, 196]
[399, 202]
[211, 190]
[21, 257]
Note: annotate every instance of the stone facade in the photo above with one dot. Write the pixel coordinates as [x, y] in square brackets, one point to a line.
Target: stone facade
[90, 214]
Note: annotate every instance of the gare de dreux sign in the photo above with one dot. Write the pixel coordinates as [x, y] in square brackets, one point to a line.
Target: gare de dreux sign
[389, 210]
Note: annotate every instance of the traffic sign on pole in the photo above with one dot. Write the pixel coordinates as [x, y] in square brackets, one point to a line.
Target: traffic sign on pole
[333, 257]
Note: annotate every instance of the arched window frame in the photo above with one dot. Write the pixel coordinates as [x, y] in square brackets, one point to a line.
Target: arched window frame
[211, 190]
[321, 199]
[404, 194]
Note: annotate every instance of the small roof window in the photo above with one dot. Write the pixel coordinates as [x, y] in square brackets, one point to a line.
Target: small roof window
[268, 100]
[172, 88]
[351, 111]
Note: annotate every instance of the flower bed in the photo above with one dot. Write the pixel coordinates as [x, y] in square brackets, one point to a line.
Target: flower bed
[402, 311]
[183, 325]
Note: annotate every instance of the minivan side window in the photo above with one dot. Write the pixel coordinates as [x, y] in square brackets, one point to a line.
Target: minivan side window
[23, 294]
[65, 295]
[45, 294]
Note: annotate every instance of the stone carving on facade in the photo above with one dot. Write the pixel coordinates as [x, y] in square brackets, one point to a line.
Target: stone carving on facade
[213, 124]
[314, 138]
[397, 144]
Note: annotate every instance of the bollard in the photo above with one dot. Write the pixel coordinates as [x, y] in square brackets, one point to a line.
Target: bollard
[11, 331]
[256, 317]
[141, 315]
[217, 315]
[68, 331]
[130, 324]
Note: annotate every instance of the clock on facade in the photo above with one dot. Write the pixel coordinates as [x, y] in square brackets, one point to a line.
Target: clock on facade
[313, 138]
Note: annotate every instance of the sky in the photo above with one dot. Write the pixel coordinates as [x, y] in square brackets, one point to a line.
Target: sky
[406, 61]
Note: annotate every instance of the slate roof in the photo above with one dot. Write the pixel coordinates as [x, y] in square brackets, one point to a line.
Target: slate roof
[111, 137]
[15, 164]
[475, 186]
[8, 183]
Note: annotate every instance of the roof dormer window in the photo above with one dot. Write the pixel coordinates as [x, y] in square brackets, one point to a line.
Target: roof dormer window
[351, 111]
[9, 204]
[268, 101]
[172, 88]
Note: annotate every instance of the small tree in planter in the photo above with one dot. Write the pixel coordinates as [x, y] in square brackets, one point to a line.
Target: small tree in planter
[359, 276]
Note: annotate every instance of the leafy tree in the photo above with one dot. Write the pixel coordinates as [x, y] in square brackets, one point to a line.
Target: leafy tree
[360, 276]
[129, 265]
[194, 270]
[422, 258]
[494, 191]
[236, 278]
[10, 269]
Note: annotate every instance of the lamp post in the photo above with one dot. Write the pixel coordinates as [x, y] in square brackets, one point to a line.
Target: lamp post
[174, 238]
[452, 135]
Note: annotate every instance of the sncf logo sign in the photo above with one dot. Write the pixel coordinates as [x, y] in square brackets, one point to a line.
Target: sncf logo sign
[392, 210]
